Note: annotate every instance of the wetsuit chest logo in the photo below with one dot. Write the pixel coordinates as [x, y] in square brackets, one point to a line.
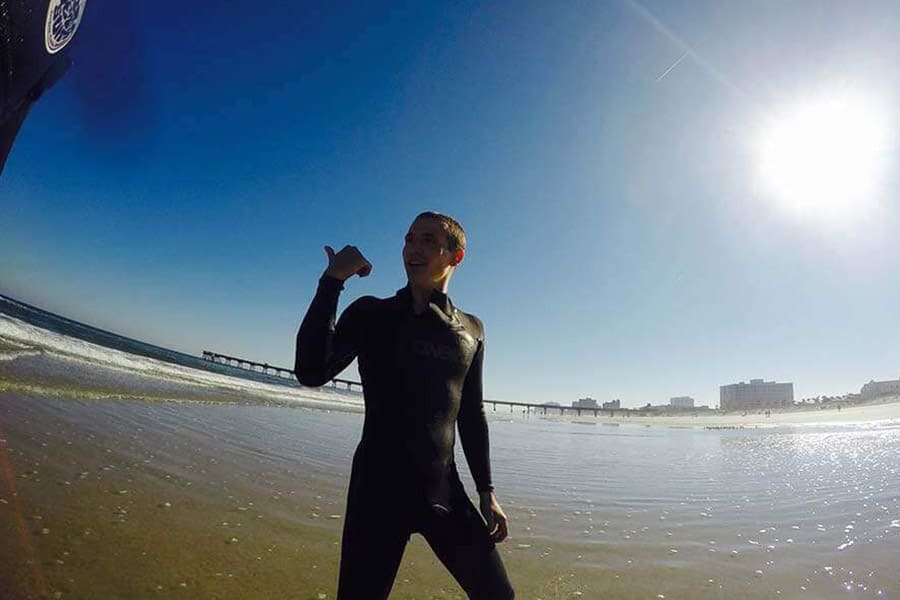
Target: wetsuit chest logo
[432, 350]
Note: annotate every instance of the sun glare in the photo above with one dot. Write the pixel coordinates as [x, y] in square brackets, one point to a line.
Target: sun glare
[825, 159]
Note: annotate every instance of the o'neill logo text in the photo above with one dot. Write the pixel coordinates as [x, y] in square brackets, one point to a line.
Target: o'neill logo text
[63, 17]
[432, 350]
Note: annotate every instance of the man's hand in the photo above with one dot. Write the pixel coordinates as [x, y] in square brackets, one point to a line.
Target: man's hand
[346, 263]
[497, 522]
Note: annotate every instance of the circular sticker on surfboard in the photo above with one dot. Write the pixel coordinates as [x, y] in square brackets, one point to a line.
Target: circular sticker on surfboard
[63, 17]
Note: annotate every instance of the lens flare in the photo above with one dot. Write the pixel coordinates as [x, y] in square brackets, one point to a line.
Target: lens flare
[826, 159]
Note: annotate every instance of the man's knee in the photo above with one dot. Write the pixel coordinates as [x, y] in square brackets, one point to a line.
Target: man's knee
[495, 587]
[503, 591]
[507, 593]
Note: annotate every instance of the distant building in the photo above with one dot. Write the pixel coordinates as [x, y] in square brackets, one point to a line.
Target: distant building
[874, 389]
[585, 403]
[681, 402]
[756, 394]
[550, 404]
[615, 404]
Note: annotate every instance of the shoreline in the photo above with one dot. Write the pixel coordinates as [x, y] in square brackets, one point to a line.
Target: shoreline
[884, 411]
[38, 362]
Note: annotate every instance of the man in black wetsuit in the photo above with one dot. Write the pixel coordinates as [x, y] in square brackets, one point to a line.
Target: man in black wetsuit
[420, 360]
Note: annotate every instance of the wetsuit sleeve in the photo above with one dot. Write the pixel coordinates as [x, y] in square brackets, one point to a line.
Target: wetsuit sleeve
[472, 423]
[323, 348]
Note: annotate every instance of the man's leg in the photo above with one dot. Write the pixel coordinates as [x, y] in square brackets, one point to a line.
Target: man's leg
[374, 538]
[370, 556]
[462, 542]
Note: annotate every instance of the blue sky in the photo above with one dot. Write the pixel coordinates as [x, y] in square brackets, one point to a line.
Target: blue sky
[621, 245]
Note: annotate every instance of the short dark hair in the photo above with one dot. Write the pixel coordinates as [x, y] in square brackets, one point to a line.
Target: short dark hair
[456, 236]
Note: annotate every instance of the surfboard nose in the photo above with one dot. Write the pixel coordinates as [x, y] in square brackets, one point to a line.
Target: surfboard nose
[35, 39]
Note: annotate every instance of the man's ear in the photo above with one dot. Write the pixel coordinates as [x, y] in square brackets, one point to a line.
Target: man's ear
[457, 258]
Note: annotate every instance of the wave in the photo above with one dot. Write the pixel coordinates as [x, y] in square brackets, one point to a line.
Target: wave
[38, 360]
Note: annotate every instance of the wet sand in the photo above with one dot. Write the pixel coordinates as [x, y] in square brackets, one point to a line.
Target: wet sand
[126, 499]
[103, 507]
[103, 497]
[107, 508]
[139, 499]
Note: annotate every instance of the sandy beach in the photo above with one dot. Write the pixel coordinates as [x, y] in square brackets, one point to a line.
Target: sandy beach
[134, 499]
[112, 501]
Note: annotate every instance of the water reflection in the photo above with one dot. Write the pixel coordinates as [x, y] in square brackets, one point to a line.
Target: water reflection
[769, 508]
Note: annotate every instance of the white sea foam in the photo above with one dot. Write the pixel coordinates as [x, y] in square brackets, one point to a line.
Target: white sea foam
[34, 340]
[4, 356]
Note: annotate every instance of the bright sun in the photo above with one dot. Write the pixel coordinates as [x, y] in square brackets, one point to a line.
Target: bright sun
[825, 159]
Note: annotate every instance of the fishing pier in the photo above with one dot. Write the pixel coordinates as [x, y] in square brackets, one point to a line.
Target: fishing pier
[267, 369]
[288, 376]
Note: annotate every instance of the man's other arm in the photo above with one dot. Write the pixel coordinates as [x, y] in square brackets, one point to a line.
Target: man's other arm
[473, 433]
[472, 424]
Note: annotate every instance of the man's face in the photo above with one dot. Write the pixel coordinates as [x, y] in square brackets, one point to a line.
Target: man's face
[426, 254]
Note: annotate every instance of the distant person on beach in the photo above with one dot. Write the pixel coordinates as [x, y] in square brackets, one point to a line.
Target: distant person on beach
[420, 360]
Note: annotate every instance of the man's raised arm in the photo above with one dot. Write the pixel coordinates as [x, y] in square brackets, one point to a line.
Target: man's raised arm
[323, 348]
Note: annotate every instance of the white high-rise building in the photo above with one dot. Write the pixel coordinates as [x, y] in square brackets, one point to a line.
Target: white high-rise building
[585, 403]
[874, 389]
[756, 394]
[681, 402]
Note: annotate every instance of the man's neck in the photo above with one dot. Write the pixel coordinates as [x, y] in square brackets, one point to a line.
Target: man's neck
[421, 296]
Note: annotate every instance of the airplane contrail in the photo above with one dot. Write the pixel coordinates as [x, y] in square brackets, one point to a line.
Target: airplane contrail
[659, 26]
[675, 64]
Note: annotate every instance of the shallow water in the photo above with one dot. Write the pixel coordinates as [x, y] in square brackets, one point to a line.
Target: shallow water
[800, 512]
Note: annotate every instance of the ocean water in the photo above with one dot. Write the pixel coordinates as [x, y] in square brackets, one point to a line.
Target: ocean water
[597, 511]
[39, 349]
[83, 339]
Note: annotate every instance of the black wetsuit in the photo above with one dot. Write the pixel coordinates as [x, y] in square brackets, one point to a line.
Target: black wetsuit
[421, 374]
